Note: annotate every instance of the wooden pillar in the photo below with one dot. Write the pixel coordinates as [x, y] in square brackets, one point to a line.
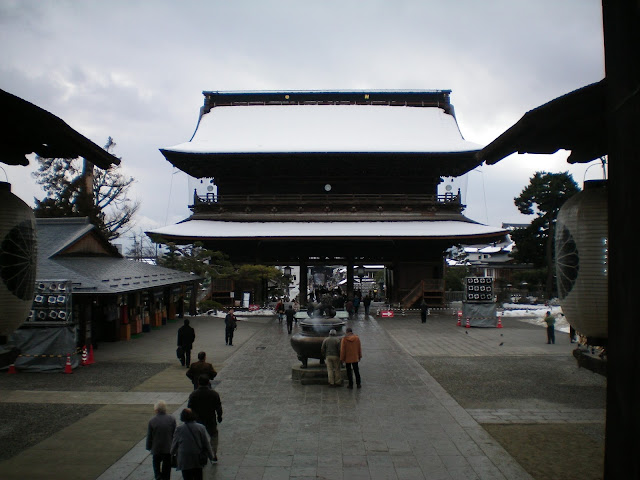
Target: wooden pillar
[349, 277]
[193, 300]
[622, 49]
[302, 281]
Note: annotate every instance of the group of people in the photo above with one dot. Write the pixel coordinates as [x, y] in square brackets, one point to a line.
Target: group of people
[336, 351]
[337, 301]
[289, 313]
[187, 335]
[195, 442]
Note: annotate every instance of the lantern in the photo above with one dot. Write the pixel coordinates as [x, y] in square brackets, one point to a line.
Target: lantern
[17, 260]
[581, 244]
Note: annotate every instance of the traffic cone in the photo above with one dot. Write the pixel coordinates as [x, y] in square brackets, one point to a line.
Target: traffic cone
[499, 322]
[67, 367]
[85, 356]
[468, 325]
[12, 369]
[91, 360]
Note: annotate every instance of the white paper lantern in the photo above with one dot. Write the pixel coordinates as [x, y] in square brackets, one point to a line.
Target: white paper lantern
[582, 261]
[17, 260]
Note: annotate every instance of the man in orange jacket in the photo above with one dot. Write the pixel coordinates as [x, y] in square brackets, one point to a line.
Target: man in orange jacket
[350, 354]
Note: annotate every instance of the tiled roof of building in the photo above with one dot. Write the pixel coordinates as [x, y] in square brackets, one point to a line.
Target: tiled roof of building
[107, 273]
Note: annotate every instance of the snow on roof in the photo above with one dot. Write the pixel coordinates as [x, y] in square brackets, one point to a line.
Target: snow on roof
[232, 230]
[326, 128]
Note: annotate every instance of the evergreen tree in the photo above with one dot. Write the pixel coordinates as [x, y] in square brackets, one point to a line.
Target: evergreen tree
[77, 188]
[544, 196]
[213, 265]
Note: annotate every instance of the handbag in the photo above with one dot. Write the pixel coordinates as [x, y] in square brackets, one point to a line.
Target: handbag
[179, 352]
[203, 458]
[174, 461]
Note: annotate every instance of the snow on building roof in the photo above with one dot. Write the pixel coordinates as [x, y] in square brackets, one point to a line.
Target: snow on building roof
[417, 229]
[326, 129]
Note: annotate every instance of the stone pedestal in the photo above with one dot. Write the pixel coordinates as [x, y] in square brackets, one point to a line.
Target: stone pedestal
[315, 374]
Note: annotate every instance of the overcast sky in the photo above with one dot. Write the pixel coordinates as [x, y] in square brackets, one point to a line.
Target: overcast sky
[135, 71]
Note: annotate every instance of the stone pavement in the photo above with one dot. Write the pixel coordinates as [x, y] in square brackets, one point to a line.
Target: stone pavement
[401, 425]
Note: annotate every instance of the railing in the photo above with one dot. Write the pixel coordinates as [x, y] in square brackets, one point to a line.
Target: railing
[328, 199]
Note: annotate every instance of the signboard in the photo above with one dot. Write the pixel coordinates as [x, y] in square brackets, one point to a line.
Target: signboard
[386, 313]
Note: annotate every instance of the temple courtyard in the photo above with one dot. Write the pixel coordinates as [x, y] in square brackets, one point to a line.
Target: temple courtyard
[438, 401]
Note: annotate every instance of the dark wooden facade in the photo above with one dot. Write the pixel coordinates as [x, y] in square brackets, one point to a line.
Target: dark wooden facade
[332, 187]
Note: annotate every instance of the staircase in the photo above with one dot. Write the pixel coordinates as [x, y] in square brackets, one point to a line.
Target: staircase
[431, 290]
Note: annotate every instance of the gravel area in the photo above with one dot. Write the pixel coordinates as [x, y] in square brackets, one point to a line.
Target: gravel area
[25, 425]
[99, 377]
[518, 382]
[547, 451]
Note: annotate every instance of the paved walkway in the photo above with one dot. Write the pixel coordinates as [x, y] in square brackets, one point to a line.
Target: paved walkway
[401, 425]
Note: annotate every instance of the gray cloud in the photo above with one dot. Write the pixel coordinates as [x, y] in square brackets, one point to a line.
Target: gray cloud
[136, 70]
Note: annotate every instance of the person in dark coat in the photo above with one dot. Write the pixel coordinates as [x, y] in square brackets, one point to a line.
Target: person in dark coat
[201, 367]
[159, 436]
[186, 337]
[366, 301]
[189, 440]
[205, 403]
[291, 315]
[231, 323]
[424, 311]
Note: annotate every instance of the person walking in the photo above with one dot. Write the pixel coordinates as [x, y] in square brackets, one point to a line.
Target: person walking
[356, 304]
[330, 350]
[201, 367]
[205, 403]
[231, 323]
[349, 307]
[159, 436]
[550, 320]
[186, 337]
[350, 354]
[291, 315]
[424, 311]
[189, 444]
[366, 301]
[280, 310]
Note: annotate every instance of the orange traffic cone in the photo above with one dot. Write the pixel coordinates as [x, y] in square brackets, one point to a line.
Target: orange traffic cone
[459, 318]
[499, 322]
[91, 360]
[85, 357]
[12, 368]
[67, 367]
[468, 325]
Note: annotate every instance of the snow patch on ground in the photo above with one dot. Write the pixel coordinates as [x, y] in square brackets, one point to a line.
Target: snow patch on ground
[533, 314]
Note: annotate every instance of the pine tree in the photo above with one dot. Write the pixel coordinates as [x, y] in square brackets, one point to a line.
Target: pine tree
[77, 188]
[544, 196]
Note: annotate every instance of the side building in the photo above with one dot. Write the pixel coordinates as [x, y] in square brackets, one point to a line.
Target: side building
[87, 293]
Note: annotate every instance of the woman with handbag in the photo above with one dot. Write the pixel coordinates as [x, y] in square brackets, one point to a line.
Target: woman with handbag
[191, 445]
